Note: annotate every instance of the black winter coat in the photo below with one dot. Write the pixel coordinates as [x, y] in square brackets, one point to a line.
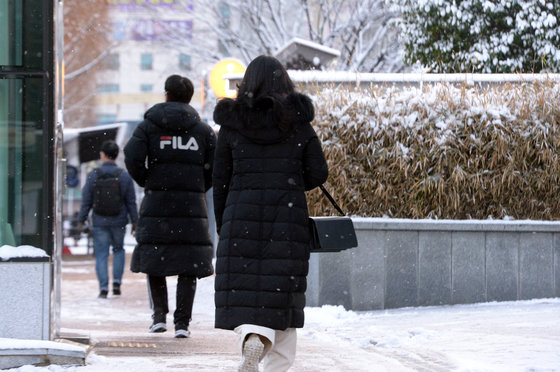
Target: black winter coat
[260, 177]
[171, 154]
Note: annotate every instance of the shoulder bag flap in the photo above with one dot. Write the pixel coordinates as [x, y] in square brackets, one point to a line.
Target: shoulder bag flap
[332, 234]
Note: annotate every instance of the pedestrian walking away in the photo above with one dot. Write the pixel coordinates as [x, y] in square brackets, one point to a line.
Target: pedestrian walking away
[109, 194]
[170, 155]
[267, 156]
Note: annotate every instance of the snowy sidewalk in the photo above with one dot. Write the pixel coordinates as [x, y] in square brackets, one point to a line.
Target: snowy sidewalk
[511, 336]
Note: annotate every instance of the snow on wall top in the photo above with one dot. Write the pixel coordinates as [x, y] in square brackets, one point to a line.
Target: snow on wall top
[8, 252]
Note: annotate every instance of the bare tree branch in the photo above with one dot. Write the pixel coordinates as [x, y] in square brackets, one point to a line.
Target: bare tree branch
[86, 67]
[361, 29]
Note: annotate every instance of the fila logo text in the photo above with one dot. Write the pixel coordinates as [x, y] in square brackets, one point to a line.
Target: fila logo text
[176, 142]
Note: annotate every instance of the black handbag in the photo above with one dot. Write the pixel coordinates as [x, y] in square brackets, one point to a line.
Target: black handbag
[332, 234]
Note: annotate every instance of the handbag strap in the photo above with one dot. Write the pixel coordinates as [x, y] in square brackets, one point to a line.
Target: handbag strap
[333, 202]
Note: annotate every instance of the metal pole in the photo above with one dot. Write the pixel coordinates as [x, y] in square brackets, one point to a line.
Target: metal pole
[60, 169]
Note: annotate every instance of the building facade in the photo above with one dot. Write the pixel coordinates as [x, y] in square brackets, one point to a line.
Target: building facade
[152, 40]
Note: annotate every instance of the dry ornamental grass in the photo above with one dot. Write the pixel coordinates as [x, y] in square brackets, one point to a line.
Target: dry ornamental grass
[443, 151]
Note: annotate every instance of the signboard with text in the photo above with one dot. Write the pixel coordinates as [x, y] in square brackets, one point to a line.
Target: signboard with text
[152, 29]
[132, 4]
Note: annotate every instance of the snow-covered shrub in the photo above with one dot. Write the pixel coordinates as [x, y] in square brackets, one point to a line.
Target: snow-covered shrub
[444, 151]
[482, 36]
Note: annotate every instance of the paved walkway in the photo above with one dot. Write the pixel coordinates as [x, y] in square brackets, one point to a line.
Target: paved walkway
[508, 337]
[117, 327]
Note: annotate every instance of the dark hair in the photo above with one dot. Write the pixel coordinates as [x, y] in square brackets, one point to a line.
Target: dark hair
[110, 149]
[179, 89]
[265, 76]
[266, 84]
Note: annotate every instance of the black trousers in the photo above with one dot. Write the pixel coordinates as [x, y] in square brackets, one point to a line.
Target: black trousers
[186, 288]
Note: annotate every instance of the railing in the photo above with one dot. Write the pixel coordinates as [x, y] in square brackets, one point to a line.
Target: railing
[356, 79]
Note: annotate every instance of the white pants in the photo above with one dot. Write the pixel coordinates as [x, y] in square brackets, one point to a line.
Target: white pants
[280, 350]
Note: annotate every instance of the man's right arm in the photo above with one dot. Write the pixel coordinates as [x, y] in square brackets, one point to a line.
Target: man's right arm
[87, 198]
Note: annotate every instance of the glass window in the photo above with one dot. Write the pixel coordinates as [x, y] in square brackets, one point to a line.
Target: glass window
[108, 88]
[21, 161]
[146, 87]
[111, 62]
[106, 118]
[225, 13]
[22, 37]
[26, 123]
[119, 29]
[11, 46]
[146, 61]
[184, 61]
[224, 22]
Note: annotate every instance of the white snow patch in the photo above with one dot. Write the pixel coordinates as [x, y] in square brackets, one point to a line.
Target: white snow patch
[7, 252]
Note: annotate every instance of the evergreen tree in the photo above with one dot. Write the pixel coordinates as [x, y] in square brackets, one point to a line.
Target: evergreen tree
[482, 35]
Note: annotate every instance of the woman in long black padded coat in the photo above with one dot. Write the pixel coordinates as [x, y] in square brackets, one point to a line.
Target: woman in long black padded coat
[267, 156]
[171, 154]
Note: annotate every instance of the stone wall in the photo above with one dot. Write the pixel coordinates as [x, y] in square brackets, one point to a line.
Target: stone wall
[400, 263]
[25, 289]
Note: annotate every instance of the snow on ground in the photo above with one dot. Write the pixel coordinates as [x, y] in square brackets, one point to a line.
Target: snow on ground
[508, 336]
[489, 337]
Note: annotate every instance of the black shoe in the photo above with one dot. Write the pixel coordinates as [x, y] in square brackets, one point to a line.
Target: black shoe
[158, 323]
[117, 289]
[158, 327]
[182, 330]
[182, 333]
[103, 294]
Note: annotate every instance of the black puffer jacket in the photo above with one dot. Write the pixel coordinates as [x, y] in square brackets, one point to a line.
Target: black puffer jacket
[172, 231]
[260, 178]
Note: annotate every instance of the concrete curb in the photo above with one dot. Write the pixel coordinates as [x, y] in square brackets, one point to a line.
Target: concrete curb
[15, 353]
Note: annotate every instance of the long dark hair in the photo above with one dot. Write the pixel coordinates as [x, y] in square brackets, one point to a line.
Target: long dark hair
[266, 84]
[265, 76]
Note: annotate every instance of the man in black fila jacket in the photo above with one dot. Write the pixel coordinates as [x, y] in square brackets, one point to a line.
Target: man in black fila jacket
[171, 154]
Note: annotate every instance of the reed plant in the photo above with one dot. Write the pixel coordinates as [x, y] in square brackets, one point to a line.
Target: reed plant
[441, 151]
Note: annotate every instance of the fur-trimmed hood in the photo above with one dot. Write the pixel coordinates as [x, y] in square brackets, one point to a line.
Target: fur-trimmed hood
[261, 121]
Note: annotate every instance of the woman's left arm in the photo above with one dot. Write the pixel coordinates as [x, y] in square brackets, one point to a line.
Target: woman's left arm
[221, 175]
[315, 168]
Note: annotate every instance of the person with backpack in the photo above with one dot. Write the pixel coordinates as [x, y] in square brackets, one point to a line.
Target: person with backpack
[170, 155]
[109, 194]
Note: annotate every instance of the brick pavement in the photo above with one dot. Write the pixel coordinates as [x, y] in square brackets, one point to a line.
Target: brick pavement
[116, 328]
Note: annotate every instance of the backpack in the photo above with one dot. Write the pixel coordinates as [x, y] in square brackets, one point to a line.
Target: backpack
[107, 198]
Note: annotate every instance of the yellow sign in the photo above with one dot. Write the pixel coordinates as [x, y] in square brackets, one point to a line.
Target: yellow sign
[217, 83]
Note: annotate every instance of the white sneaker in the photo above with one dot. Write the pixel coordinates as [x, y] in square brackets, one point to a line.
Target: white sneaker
[182, 333]
[252, 351]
